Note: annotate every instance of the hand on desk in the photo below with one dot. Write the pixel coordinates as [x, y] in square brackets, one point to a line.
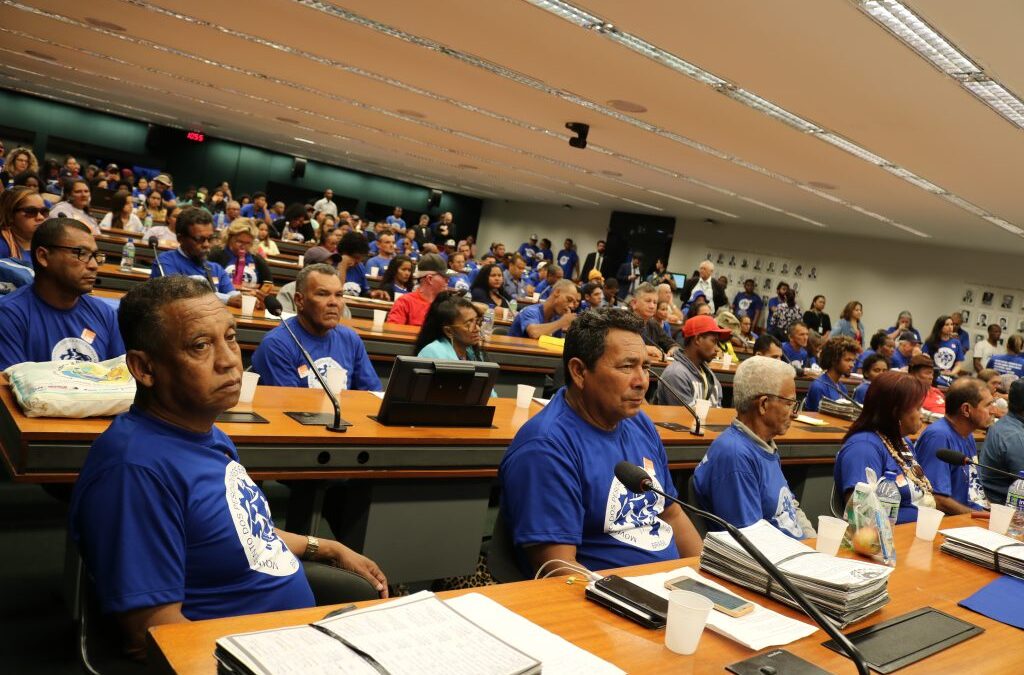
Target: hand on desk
[337, 554]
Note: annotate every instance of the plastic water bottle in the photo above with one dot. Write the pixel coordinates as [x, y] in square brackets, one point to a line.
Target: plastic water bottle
[148, 222]
[128, 256]
[487, 328]
[513, 306]
[889, 495]
[1015, 498]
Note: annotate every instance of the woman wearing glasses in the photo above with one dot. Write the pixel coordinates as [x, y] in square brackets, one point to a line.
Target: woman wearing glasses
[22, 210]
[451, 330]
[879, 440]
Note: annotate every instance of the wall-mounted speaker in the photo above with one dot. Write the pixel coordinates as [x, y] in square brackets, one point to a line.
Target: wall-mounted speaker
[298, 168]
[435, 199]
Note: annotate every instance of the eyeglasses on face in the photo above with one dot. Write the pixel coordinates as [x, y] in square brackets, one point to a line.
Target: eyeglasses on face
[794, 404]
[201, 240]
[33, 211]
[83, 254]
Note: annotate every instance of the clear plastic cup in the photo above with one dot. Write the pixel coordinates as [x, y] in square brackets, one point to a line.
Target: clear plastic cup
[727, 360]
[248, 305]
[524, 394]
[928, 520]
[830, 534]
[701, 406]
[379, 315]
[687, 615]
[999, 519]
[336, 379]
[249, 381]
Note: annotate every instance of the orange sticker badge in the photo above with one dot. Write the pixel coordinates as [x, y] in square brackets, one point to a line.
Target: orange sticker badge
[88, 335]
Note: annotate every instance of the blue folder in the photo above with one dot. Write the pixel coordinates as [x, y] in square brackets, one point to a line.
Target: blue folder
[1000, 600]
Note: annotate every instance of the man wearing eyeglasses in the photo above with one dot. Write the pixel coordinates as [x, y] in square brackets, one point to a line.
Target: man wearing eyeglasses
[194, 229]
[55, 318]
[432, 278]
[740, 478]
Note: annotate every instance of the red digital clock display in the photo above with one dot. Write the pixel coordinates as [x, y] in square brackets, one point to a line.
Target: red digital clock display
[196, 136]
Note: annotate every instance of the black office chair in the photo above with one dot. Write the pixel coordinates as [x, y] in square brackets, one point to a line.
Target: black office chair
[691, 498]
[501, 554]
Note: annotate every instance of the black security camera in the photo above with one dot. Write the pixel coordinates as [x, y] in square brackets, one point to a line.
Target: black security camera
[581, 130]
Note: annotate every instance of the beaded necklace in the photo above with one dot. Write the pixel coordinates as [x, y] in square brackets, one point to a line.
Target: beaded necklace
[909, 466]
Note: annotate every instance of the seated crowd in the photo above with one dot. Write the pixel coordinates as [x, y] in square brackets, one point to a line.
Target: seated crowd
[191, 556]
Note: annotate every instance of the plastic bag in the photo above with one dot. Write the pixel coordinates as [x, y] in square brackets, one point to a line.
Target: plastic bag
[871, 532]
[72, 388]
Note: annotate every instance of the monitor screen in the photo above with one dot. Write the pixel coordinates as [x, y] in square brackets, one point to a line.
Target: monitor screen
[680, 279]
[430, 384]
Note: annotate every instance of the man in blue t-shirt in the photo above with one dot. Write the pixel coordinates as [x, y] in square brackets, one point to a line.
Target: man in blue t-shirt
[194, 229]
[961, 335]
[395, 219]
[957, 489]
[551, 275]
[168, 522]
[837, 358]
[258, 209]
[748, 303]
[319, 302]
[162, 185]
[528, 249]
[559, 495]
[385, 253]
[906, 346]
[551, 317]
[353, 249]
[740, 478]
[569, 260]
[794, 350]
[55, 318]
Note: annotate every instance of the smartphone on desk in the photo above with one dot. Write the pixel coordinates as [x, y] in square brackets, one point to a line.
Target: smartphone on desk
[726, 603]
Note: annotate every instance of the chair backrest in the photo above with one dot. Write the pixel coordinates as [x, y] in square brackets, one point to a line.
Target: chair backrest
[691, 498]
[501, 554]
[333, 585]
[836, 503]
[100, 643]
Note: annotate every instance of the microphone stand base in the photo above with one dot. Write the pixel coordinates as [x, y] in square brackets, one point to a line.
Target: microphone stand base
[312, 419]
[775, 661]
[340, 429]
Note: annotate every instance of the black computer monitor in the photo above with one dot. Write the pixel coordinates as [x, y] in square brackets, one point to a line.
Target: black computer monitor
[436, 393]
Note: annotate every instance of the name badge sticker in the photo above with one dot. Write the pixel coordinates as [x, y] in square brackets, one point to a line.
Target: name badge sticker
[302, 370]
[88, 335]
[649, 466]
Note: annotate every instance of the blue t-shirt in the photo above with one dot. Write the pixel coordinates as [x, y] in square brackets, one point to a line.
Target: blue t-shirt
[280, 363]
[898, 360]
[961, 483]
[528, 251]
[355, 281]
[824, 387]
[568, 260]
[397, 222]
[459, 281]
[165, 515]
[249, 275]
[743, 483]
[378, 261]
[965, 341]
[176, 262]
[544, 288]
[558, 486]
[31, 330]
[861, 391]
[373, 247]
[528, 316]
[892, 329]
[947, 354]
[797, 357]
[1007, 363]
[249, 211]
[14, 274]
[859, 363]
[747, 304]
[169, 196]
[865, 449]
[5, 252]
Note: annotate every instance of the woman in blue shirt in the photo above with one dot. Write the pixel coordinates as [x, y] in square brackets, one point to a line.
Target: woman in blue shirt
[874, 365]
[849, 324]
[397, 278]
[22, 210]
[451, 330]
[878, 440]
[943, 345]
[488, 288]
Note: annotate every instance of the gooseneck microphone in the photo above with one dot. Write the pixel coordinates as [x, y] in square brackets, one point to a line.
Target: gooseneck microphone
[273, 306]
[154, 244]
[639, 481]
[696, 430]
[957, 458]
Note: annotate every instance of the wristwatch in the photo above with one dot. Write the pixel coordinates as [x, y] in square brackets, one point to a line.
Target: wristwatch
[312, 546]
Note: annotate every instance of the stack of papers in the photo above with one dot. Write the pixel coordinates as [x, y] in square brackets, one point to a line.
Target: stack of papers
[844, 589]
[844, 409]
[986, 548]
[759, 629]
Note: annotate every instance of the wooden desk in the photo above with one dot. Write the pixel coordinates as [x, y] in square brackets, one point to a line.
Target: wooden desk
[923, 577]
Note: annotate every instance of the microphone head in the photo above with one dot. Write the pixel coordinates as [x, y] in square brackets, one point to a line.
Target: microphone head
[273, 305]
[633, 477]
[153, 241]
[952, 457]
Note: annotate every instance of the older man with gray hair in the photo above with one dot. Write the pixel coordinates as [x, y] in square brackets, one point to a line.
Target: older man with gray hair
[703, 282]
[740, 477]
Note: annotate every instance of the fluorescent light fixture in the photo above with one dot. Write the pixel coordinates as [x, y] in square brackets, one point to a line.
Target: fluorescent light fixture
[852, 148]
[752, 100]
[646, 206]
[305, 140]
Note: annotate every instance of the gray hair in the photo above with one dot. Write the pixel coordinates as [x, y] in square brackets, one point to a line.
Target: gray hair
[706, 264]
[645, 288]
[562, 285]
[318, 268]
[757, 376]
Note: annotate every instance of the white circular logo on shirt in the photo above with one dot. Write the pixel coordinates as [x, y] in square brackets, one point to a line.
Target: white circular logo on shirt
[250, 514]
[633, 519]
[461, 284]
[744, 304]
[73, 349]
[352, 288]
[248, 276]
[563, 260]
[945, 358]
[323, 365]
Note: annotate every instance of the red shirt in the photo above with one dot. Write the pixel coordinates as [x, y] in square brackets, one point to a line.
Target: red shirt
[935, 401]
[410, 309]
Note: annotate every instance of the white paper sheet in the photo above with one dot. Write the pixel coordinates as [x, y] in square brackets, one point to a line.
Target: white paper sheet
[760, 628]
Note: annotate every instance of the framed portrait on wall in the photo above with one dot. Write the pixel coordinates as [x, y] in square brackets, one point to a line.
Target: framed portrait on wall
[987, 297]
[966, 315]
[1007, 302]
[968, 298]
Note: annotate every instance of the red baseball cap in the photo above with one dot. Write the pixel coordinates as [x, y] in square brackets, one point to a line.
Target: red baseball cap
[699, 325]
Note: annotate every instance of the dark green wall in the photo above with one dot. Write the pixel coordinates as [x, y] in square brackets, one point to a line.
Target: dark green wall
[59, 128]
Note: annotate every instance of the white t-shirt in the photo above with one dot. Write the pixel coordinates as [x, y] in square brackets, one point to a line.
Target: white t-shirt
[134, 224]
[984, 350]
[327, 206]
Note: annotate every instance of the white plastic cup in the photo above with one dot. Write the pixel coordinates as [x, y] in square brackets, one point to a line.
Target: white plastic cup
[727, 360]
[248, 392]
[702, 406]
[999, 519]
[687, 614]
[524, 394]
[374, 271]
[336, 378]
[302, 260]
[536, 297]
[928, 520]
[248, 305]
[830, 534]
[379, 315]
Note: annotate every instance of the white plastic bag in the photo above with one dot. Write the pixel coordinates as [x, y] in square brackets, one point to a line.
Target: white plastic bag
[72, 388]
